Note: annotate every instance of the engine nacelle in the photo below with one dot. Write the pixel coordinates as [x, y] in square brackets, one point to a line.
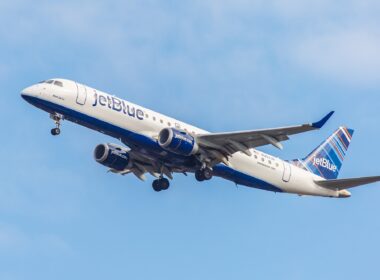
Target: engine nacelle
[112, 156]
[178, 142]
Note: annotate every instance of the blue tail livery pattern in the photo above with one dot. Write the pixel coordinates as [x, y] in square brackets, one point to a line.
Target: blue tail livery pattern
[327, 159]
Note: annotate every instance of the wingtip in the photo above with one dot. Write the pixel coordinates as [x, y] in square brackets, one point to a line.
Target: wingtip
[323, 121]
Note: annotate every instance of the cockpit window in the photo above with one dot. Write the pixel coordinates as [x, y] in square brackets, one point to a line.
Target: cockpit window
[58, 83]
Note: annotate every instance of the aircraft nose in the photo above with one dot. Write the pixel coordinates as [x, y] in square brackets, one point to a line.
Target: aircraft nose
[29, 91]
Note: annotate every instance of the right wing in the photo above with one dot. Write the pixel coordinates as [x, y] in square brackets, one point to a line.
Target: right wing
[223, 145]
[342, 184]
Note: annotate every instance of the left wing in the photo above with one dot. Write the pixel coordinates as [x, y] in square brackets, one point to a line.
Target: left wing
[232, 142]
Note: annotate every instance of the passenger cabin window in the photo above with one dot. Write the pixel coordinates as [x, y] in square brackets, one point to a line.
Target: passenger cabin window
[154, 118]
[169, 124]
[50, 82]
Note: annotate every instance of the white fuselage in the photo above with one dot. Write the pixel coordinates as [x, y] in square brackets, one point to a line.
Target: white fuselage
[122, 114]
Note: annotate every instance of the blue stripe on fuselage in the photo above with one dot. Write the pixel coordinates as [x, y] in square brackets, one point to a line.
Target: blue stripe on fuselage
[240, 178]
[147, 145]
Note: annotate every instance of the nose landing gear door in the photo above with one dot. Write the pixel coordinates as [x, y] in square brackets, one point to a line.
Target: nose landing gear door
[81, 94]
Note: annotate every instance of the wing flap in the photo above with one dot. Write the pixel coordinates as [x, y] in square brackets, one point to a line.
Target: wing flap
[342, 184]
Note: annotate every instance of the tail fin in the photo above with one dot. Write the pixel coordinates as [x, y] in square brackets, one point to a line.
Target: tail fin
[327, 159]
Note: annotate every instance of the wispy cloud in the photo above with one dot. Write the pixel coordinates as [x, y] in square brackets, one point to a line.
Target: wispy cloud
[11, 238]
[161, 44]
[220, 64]
[19, 242]
[349, 56]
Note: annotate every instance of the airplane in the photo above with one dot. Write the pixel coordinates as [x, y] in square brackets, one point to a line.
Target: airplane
[155, 144]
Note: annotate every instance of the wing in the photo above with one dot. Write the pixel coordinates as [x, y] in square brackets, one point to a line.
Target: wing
[226, 144]
[341, 184]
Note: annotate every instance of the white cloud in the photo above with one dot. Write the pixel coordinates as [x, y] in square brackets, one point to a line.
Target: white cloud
[349, 56]
[318, 11]
[194, 42]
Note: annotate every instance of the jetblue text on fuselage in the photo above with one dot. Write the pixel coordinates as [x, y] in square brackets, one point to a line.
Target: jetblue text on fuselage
[118, 105]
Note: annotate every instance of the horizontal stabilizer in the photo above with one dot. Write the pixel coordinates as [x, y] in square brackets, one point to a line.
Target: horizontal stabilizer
[341, 184]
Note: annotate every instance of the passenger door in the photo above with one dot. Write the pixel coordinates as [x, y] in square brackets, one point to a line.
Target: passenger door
[287, 172]
[81, 94]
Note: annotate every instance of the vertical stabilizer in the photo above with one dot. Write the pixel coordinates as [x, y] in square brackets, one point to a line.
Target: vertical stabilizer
[327, 159]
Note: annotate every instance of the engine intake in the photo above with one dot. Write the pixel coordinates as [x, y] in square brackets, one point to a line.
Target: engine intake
[112, 156]
[178, 142]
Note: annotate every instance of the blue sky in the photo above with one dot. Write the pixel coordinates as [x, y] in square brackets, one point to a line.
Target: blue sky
[222, 65]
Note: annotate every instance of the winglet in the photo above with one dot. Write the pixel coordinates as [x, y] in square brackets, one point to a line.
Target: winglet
[322, 122]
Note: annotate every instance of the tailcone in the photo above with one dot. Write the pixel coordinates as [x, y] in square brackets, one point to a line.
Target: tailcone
[344, 194]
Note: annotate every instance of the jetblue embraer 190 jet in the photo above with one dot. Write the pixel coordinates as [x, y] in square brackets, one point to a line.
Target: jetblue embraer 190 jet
[161, 146]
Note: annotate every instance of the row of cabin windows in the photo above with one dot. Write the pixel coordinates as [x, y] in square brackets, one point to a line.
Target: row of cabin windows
[268, 161]
[169, 124]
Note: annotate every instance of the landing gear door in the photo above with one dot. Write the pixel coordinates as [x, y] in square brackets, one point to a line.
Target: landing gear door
[81, 94]
[287, 172]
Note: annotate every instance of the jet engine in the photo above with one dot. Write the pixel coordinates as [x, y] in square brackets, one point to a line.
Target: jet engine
[112, 156]
[178, 142]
